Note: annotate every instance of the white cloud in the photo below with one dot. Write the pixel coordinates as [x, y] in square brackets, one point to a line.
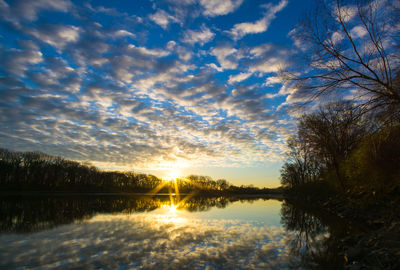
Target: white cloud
[149, 52]
[271, 80]
[214, 66]
[57, 35]
[261, 50]
[298, 42]
[224, 57]
[171, 45]
[358, 31]
[18, 61]
[214, 8]
[240, 30]
[122, 33]
[184, 54]
[337, 37]
[203, 36]
[162, 18]
[346, 13]
[238, 78]
[273, 64]
[24, 10]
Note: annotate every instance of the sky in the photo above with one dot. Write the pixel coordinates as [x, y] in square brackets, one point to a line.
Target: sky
[186, 86]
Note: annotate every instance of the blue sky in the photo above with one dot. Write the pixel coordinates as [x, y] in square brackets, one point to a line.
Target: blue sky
[151, 86]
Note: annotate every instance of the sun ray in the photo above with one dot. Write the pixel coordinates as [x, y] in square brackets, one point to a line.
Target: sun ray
[172, 181]
[157, 188]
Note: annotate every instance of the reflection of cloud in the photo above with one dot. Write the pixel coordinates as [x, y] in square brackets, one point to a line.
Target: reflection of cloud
[146, 241]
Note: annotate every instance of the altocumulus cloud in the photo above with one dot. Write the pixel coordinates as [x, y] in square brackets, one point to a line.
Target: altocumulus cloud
[139, 90]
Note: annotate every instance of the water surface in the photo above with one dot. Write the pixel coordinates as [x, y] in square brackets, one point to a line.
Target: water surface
[159, 232]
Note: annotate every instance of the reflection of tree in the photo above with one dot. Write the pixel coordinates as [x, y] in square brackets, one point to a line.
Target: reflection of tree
[27, 214]
[310, 240]
[37, 213]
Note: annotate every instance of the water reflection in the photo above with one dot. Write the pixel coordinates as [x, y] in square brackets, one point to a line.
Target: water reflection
[131, 232]
[29, 214]
[166, 238]
[314, 237]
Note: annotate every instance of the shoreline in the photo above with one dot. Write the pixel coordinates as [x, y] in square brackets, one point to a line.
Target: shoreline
[278, 196]
[372, 223]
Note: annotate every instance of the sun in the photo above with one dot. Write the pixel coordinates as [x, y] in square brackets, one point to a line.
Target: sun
[172, 176]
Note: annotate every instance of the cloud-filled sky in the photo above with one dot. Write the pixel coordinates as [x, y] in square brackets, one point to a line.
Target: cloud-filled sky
[150, 86]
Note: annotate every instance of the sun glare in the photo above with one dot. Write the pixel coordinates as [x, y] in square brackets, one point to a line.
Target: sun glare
[172, 176]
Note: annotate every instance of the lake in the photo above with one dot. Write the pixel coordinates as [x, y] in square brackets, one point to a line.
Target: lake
[163, 232]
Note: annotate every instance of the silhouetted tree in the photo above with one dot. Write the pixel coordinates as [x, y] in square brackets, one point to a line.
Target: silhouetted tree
[332, 133]
[38, 171]
[352, 45]
[324, 140]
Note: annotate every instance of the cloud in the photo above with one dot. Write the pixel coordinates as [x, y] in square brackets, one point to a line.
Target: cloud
[273, 64]
[203, 36]
[214, 66]
[22, 10]
[121, 96]
[269, 58]
[346, 13]
[56, 35]
[271, 80]
[242, 29]
[238, 78]
[162, 18]
[148, 52]
[17, 61]
[122, 33]
[213, 8]
[358, 31]
[225, 56]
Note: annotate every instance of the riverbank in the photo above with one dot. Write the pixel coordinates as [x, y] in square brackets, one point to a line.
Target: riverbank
[371, 221]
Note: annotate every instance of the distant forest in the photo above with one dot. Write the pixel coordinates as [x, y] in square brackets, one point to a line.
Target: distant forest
[35, 171]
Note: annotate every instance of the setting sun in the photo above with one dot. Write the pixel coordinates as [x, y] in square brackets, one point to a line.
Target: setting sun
[172, 176]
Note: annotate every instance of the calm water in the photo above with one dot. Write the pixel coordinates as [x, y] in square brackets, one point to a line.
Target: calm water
[160, 233]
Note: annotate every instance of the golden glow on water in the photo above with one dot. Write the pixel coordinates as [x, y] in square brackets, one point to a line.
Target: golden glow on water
[173, 209]
[169, 213]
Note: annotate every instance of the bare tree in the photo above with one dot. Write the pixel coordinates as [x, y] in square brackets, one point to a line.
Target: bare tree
[332, 133]
[352, 46]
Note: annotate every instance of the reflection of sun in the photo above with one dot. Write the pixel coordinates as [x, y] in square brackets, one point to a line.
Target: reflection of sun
[173, 209]
[169, 214]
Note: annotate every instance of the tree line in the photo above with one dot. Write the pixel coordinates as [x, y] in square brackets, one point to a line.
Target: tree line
[35, 171]
[350, 144]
